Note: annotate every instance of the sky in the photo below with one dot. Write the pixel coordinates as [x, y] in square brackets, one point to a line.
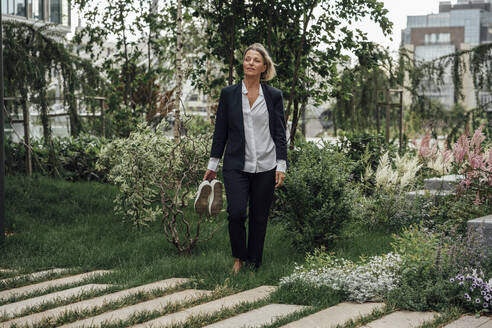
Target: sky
[398, 12]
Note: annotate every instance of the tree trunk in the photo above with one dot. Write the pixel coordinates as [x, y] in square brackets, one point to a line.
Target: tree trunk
[75, 125]
[295, 120]
[298, 61]
[231, 44]
[126, 65]
[179, 71]
[45, 121]
[270, 24]
[27, 137]
[387, 105]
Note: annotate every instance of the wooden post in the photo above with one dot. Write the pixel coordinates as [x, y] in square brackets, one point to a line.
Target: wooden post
[388, 106]
[400, 122]
[103, 118]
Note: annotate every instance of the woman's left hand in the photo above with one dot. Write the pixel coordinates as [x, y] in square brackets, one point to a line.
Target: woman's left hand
[279, 179]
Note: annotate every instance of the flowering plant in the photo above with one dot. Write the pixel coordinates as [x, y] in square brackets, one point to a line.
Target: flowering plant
[475, 164]
[365, 281]
[468, 157]
[398, 179]
[439, 160]
[476, 292]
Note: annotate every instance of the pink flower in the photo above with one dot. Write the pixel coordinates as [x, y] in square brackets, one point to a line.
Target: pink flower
[424, 148]
[476, 161]
[460, 149]
[476, 141]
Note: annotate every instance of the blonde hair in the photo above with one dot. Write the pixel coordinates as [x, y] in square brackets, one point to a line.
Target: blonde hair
[270, 71]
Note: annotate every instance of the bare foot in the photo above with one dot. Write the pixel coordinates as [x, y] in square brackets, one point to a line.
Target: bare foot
[237, 266]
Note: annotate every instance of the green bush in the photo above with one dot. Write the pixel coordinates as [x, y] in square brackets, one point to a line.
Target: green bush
[431, 261]
[157, 177]
[317, 198]
[75, 157]
[365, 150]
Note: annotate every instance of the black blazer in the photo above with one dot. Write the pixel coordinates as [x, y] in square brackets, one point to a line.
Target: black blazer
[229, 125]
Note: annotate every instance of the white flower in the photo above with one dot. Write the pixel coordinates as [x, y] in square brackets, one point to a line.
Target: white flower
[362, 282]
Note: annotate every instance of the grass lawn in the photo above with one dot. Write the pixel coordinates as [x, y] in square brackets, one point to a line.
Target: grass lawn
[54, 223]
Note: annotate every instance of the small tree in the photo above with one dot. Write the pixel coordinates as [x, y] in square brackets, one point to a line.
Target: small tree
[157, 177]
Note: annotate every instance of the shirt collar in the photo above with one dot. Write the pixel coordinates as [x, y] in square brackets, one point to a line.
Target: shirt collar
[245, 90]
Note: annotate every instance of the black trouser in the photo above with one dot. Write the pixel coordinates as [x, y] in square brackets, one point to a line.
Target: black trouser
[258, 188]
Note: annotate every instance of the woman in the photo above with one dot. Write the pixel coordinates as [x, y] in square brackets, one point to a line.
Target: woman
[250, 126]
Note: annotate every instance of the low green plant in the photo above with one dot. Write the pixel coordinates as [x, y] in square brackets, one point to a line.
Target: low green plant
[430, 263]
[157, 177]
[75, 160]
[317, 198]
[364, 149]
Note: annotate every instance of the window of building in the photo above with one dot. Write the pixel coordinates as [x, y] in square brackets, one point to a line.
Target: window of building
[20, 7]
[59, 12]
[444, 37]
[37, 8]
[4, 6]
[55, 11]
[438, 38]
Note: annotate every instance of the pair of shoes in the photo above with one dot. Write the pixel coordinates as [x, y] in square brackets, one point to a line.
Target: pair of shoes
[208, 199]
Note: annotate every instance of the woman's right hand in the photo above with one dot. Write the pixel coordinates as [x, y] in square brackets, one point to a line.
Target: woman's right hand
[209, 175]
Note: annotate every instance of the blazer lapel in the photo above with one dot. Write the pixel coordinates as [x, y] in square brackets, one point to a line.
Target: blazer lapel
[237, 106]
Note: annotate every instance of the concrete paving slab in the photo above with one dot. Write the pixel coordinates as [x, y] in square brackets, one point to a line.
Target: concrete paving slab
[446, 182]
[227, 302]
[34, 275]
[51, 283]
[258, 317]
[483, 227]
[402, 319]
[335, 315]
[127, 312]
[94, 302]
[412, 195]
[13, 309]
[469, 321]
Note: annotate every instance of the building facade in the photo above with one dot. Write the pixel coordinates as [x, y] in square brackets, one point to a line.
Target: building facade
[49, 11]
[459, 25]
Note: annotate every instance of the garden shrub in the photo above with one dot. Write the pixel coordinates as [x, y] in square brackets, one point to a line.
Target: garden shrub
[157, 177]
[317, 197]
[364, 149]
[76, 157]
[430, 264]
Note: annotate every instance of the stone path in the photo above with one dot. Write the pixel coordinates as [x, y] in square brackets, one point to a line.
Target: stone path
[49, 284]
[35, 275]
[12, 309]
[259, 317]
[227, 302]
[93, 303]
[469, 321]
[339, 314]
[402, 319]
[152, 305]
[336, 315]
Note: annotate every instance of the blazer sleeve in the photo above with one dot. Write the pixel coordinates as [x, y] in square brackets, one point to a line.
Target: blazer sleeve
[221, 128]
[280, 138]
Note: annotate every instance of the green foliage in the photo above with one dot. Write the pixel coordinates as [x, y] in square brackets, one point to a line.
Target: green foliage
[156, 177]
[365, 150]
[430, 262]
[318, 198]
[75, 159]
